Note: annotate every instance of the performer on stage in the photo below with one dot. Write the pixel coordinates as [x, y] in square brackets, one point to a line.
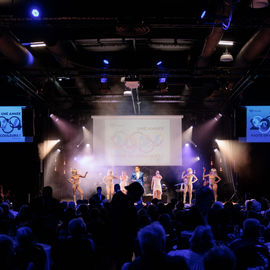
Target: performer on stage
[188, 181]
[108, 180]
[123, 182]
[75, 181]
[137, 176]
[156, 186]
[212, 180]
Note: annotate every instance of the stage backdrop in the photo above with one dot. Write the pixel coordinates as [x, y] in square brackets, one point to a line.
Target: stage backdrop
[154, 140]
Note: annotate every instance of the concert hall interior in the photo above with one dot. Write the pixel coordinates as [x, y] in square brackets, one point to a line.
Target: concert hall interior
[173, 95]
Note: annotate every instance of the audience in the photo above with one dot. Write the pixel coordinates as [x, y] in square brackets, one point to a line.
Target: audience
[152, 242]
[127, 233]
[221, 258]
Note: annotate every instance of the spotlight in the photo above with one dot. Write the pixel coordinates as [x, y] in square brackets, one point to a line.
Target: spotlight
[103, 80]
[226, 42]
[216, 118]
[186, 144]
[57, 119]
[87, 145]
[35, 12]
[58, 150]
[75, 158]
[51, 115]
[226, 56]
[215, 149]
[37, 44]
[162, 80]
[58, 140]
[203, 14]
[216, 140]
[159, 63]
[106, 62]
[191, 126]
[77, 145]
[220, 114]
[197, 158]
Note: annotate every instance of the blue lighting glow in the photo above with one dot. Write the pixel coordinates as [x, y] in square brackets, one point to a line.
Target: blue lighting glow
[103, 80]
[35, 12]
[203, 14]
[159, 63]
[162, 80]
[106, 62]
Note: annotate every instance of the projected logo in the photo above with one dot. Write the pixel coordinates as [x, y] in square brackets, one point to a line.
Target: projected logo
[137, 141]
[262, 124]
[7, 125]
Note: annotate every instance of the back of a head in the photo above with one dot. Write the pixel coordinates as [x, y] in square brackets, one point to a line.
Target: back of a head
[217, 205]
[252, 228]
[116, 188]
[221, 258]
[99, 189]
[202, 239]
[152, 239]
[77, 227]
[47, 192]
[24, 236]
[6, 250]
[135, 191]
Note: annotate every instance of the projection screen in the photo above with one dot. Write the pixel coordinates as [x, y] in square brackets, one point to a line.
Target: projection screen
[154, 140]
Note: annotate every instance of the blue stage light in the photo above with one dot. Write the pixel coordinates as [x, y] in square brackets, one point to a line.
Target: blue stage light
[35, 12]
[203, 14]
[159, 63]
[106, 62]
[103, 80]
[162, 80]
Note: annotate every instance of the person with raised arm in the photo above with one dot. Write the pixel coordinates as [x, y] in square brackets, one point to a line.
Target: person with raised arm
[188, 183]
[212, 176]
[75, 181]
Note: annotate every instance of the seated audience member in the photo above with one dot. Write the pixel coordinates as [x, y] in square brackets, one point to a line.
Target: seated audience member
[76, 251]
[201, 241]
[24, 216]
[152, 241]
[6, 252]
[27, 251]
[249, 250]
[221, 258]
[98, 198]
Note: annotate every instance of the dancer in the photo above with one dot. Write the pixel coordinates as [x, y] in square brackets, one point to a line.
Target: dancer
[137, 176]
[75, 181]
[212, 180]
[156, 186]
[188, 183]
[108, 180]
[123, 182]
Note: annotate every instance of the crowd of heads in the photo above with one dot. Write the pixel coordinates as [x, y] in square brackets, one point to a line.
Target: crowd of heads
[127, 233]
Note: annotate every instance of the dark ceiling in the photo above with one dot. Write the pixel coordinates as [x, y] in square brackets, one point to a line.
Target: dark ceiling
[64, 76]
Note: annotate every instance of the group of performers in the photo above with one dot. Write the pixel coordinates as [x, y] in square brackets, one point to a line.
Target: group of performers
[189, 179]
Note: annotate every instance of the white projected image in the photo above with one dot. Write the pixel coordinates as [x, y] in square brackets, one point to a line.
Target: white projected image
[140, 140]
[149, 140]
